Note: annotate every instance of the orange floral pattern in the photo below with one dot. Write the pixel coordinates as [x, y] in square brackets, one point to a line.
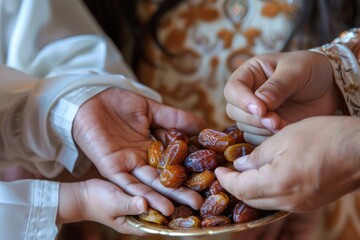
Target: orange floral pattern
[210, 39]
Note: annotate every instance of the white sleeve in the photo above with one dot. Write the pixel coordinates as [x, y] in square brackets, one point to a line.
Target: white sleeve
[28, 210]
[54, 57]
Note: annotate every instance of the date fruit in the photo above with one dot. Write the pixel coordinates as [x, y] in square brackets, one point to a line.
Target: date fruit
[188, 222]
[215, 140]
[235, 151]
[190, 161]
[214, 205]
[200, 181]
[155, 153]
[151, 215]
[201, 160]
[213, 221]
[174, 154]
[244, 213]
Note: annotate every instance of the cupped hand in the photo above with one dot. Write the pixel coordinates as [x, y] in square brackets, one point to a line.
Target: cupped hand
[99, 201]
[113, 130]
[302, 167]
[270, 91]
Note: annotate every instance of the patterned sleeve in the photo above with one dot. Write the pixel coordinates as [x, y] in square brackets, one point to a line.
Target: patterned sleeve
[344, 55]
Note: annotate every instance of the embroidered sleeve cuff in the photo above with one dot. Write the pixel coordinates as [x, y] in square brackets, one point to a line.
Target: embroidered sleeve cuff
[344, 55]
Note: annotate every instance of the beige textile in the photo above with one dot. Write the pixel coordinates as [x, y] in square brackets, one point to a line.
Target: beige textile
[211, 39]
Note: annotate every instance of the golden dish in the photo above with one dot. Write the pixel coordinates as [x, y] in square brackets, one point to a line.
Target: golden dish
[166, 230]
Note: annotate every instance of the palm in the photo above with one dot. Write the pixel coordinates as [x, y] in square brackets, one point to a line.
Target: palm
[108, 132]
[113, 130]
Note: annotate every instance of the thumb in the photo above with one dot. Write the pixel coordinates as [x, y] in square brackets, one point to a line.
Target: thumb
[277, 88]
[254, 160]
[169, 117]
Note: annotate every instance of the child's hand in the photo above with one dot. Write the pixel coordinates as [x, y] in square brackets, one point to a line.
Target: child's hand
[269, 91]
[99, 201]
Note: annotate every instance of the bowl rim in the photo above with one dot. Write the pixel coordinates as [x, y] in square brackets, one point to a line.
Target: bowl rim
[154, 228]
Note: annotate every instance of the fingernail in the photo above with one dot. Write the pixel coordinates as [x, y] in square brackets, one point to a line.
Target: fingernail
[266, 122]
[254, 109]
[267, 96]
[240, 163]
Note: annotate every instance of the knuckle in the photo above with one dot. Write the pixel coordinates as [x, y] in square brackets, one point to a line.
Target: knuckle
[130, 206]
[256, 157]
[278, 85]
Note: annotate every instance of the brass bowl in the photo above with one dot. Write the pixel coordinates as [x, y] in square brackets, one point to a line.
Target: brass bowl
[154, 228]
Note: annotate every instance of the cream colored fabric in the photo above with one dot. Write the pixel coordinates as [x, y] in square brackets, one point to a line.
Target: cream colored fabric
[53, 58]
[28, 210]
[46, 56]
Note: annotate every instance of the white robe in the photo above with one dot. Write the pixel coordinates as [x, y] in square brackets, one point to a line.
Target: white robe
[53, 58]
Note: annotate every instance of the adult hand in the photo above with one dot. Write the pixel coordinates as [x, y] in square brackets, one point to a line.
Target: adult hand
[113, 130]
[302, 167]
[269, 91]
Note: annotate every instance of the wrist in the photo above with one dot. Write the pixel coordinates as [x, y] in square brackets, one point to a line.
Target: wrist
[349, 149]
[70, 203]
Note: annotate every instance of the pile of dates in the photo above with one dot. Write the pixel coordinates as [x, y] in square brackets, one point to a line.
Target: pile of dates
[190, 161]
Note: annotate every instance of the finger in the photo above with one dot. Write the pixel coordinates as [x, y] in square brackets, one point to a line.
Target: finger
[169, 117]
[254, 139]
[159, 134]
[254, 188]
[124, 175]
[251, 161]
[239, 115]
[262, 155]
[239, 90]
[272, 121]
[269, 123]
[270, 203]
[181, 195]
[114, 202]
[280, 85]
[248, 129]
[247, 185]
[133, 186]
[121, 204]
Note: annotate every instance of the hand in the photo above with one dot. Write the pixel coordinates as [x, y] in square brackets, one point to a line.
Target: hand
[99, 201]
[113, 130]
[270, 91]
[302, 167]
